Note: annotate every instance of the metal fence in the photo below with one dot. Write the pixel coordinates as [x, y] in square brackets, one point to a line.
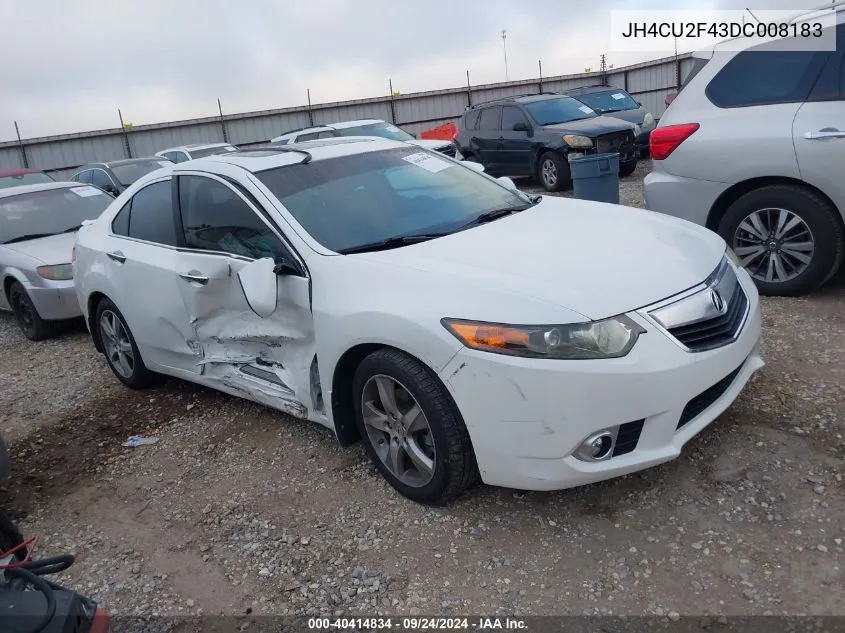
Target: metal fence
[60, 155]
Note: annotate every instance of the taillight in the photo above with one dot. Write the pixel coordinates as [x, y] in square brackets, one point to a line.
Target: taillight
[665, 140]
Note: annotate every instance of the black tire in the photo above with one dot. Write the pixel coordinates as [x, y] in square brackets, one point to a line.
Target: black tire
[819, 216]
[140, 377]
[455, 468]
[30, 322]
[626, 169]
[561, 169]
[10, 537]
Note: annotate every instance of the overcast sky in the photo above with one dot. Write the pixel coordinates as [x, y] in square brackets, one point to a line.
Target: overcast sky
[68, 66]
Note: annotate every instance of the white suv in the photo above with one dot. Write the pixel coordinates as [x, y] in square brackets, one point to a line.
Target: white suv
[753, 147]
[366, 127]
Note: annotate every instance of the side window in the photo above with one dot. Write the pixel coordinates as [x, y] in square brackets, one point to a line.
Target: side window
[83, 176]
[490, 118]
[471, 119]
[151, 216]
[171, 156]
[120, 224]
[181, 157]
[308, 137]
[101, 179]
[762, 77]
[326, 134]
[284, 141]
[215, 218]
[831, 83]
[511, 116]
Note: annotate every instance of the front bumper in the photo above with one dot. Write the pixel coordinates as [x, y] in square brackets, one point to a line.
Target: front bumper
[55, 301]
[526, 417]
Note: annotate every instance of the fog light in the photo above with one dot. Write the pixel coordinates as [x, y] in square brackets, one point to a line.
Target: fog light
[597, 447]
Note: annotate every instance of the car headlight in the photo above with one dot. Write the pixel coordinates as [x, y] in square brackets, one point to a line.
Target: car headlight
[610, 338]
[576, 140]
[729, 253]
[60, 272]
[648, 119]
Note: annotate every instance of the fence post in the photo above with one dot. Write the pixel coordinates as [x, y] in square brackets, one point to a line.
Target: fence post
[24, 160]
[625, 80]
[469, 92]
[678, 74]
[222, 121]
[540, 64]
[392, 104]
[125, 135]
[310, 113]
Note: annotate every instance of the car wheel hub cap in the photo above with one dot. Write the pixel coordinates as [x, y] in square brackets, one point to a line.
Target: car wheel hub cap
[549, 172]
[116, 344]
[774, 245]
[398, 430]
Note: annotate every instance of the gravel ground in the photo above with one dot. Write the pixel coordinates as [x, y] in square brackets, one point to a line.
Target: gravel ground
[240, 510]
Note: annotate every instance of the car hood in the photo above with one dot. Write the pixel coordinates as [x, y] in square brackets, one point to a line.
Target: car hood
[596, 259]
[429, 143]
[631, 116]
[52, 250]
[596, 126]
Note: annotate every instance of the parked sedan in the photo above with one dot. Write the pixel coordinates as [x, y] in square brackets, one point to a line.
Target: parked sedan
[459, 327]
[17, 177]
[38, 225]
[115, 176]
[619, 104]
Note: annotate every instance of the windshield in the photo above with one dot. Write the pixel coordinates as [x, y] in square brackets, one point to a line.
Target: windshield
[610, 101]
[382, 129]
[130, 172]
[24, 179]
[42, 213]
[562, 110]
[212, 151]
[351, 201]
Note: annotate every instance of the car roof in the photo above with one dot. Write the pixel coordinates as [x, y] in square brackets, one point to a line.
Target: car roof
[41, 186]
[340, 125]
[583, 90]
[191, 146]
[18, 172]
[120, 161]
[256, 159]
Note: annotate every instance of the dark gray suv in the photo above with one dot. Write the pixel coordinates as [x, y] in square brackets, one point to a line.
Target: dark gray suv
[532, 135]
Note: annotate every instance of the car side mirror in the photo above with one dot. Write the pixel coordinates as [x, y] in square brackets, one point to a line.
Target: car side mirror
[285, 267]
[473, 166]
[507, 183]
[520, 127]
[598, 110]
[260, 286]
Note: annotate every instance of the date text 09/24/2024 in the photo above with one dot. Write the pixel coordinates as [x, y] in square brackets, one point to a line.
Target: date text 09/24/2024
[416, 624]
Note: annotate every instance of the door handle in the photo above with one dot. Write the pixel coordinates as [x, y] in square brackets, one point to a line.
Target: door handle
[194, 276]
[116, 256]
[826, 133]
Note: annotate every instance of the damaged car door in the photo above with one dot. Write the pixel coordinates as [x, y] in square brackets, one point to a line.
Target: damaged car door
[262, 353]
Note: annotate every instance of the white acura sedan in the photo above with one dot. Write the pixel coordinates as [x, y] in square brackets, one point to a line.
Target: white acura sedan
[459, 327]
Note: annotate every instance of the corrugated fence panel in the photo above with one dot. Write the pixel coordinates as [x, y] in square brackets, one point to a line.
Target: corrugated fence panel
[686, 66]
[351, 112]
[649, 82]
[148, 142]
[430, 108]
[69, 153]
[10, 158]
[261, 129]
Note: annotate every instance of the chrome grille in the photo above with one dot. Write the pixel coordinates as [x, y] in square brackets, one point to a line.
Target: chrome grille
[709, 318]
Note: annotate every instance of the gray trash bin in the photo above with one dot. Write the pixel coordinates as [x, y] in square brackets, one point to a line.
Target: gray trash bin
[595, 177]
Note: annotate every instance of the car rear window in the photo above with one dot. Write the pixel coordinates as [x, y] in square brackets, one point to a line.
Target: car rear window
[765, 77]
[49, 212]
[24, 179]
[130, 172]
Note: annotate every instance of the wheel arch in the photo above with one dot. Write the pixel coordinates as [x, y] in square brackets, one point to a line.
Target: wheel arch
[94, 300]
[736, 191]
[9, 277]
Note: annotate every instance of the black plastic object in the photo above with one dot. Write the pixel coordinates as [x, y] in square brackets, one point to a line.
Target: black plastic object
[22, 611]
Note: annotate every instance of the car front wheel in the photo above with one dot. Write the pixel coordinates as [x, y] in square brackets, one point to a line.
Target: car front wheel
[788, 238]
[553, 172]
[30, 322]
[412, 429]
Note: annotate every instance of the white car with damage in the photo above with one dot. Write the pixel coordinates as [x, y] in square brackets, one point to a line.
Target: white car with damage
[461, 328]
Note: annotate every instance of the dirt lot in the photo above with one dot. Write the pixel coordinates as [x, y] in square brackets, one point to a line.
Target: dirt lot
[238, 509]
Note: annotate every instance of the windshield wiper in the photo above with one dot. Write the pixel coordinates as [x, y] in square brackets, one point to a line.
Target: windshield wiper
[73, 229]
[495, 214]
[31, 236]
[390, 242]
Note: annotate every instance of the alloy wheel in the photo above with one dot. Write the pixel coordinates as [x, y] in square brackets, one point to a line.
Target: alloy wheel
[549, 172]
[398, 430]
[116, 343]
[774, 245]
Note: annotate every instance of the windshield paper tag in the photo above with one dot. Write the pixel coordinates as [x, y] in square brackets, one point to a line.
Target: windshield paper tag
[585, 110]
[618, 96]
[427, 162]
[86, 192]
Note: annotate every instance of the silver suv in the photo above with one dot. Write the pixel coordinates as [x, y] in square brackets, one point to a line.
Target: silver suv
[753, 147]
